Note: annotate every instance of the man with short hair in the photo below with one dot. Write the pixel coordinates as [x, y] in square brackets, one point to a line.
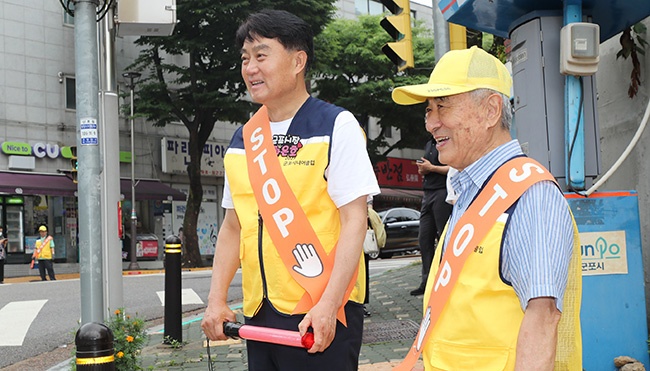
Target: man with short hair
[499, 296]
[44, 253]
[297, 179]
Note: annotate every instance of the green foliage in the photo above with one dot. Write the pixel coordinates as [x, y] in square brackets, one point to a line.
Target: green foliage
[633, 43]
[351, 71]
[639, 32]
[488, 42]
[175, 344]
[129, 337]
[193, 77]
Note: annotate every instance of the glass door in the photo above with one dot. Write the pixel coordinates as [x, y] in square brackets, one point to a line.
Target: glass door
[14, 228]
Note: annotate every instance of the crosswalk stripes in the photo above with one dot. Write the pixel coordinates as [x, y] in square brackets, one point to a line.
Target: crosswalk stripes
[188, 296]
[15, 319]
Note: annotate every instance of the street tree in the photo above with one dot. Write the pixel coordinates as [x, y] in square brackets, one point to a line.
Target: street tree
[351, 71]
[193, 77]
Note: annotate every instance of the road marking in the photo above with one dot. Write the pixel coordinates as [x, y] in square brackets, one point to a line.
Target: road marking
[15, 319]
[188, 296]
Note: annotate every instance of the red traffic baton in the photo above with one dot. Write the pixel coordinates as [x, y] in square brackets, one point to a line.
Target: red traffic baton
[268, 335]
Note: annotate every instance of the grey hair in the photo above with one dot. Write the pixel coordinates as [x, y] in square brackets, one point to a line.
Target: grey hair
[506, 107]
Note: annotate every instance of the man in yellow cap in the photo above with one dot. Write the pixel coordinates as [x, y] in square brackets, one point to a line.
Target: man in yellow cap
[44, 253]
[499, 306]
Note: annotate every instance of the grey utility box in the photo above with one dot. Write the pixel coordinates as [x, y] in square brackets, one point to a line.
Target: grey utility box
[146, 17]
[539, 99]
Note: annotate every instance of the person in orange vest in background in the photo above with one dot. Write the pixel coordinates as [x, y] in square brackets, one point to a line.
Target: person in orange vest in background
[44, 253]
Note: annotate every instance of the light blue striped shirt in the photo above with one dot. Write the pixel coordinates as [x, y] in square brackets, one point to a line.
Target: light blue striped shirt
[539, 239]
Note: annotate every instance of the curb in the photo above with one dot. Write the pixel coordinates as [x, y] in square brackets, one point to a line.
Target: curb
[70, 276]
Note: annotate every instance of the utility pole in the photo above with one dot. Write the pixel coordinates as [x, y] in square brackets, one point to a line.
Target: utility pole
[109, 139]
[133, 265]
[440, 32]
[89, 186]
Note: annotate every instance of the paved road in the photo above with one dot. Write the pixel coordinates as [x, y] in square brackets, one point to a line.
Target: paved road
[37, 317]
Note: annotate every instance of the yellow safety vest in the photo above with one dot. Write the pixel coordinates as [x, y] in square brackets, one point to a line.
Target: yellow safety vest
[304, 171]
[479, 326]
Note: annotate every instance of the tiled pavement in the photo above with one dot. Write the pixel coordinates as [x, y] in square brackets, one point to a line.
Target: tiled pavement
[388, 332]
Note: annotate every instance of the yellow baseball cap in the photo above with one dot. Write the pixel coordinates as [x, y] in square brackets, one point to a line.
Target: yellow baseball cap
[458, 71]
[42, 228]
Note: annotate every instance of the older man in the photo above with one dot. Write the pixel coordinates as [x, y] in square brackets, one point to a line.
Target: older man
[501, 294]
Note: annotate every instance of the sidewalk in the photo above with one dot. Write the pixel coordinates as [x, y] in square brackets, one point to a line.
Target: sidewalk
[388, 332]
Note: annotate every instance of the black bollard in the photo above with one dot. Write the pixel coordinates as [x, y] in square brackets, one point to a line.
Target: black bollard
[94, 342]
[173, 305]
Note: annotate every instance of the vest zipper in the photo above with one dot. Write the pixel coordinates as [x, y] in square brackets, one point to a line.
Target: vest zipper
[260, 229]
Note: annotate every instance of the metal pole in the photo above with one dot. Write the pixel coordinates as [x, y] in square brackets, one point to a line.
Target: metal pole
[440, 32]
[134, 216]
[574, 126]
[89, 186]
[110, 149]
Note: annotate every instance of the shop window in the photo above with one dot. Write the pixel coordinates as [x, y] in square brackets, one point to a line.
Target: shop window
[67, 18]
[375, 8]
[368, 7]
[372, 7]
[361, 7]
[70, 93]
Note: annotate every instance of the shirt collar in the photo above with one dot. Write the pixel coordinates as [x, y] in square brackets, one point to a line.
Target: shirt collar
[479, 171]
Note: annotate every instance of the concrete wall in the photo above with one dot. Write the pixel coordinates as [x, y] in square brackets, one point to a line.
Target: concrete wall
[619, 118]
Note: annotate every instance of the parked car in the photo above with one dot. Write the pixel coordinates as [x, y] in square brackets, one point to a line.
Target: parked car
[402, 226]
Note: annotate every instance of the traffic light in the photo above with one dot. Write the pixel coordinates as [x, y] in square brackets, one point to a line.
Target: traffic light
[398, 27]
[74, 163]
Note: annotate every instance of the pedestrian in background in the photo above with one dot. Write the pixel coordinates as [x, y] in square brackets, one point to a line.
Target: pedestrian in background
[3, 254]
[435, 211]
[507, 297]
[44, 253]
[298, 176]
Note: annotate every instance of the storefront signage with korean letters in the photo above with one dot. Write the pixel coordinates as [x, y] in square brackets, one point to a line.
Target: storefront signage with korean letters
[176, 156]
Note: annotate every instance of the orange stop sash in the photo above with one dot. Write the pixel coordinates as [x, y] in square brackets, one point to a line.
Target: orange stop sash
[286, 222]
[505, 187]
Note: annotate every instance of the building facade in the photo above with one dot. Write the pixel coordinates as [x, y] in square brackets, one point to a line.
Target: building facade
[38, 128]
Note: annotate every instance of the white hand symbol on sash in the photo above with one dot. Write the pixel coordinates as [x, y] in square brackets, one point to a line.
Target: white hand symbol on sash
[309, 264]
[426, 321]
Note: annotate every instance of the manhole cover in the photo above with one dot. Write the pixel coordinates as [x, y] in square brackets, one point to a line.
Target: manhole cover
[379, 332]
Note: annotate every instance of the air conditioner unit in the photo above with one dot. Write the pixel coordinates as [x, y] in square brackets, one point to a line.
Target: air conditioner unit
[146, 17]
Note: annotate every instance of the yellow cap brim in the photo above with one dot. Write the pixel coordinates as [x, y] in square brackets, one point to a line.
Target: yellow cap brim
[413, 94]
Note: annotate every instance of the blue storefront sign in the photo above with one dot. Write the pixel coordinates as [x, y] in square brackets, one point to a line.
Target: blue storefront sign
[613, 315]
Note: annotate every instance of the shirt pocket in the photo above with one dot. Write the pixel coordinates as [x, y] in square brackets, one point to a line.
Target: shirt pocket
[458, 357]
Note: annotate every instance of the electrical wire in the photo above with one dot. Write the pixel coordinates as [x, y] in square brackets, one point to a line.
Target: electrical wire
[210, 367]
[108, 4]
[66, 7]
[101, 12]
[575, 134]
[628, 149]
